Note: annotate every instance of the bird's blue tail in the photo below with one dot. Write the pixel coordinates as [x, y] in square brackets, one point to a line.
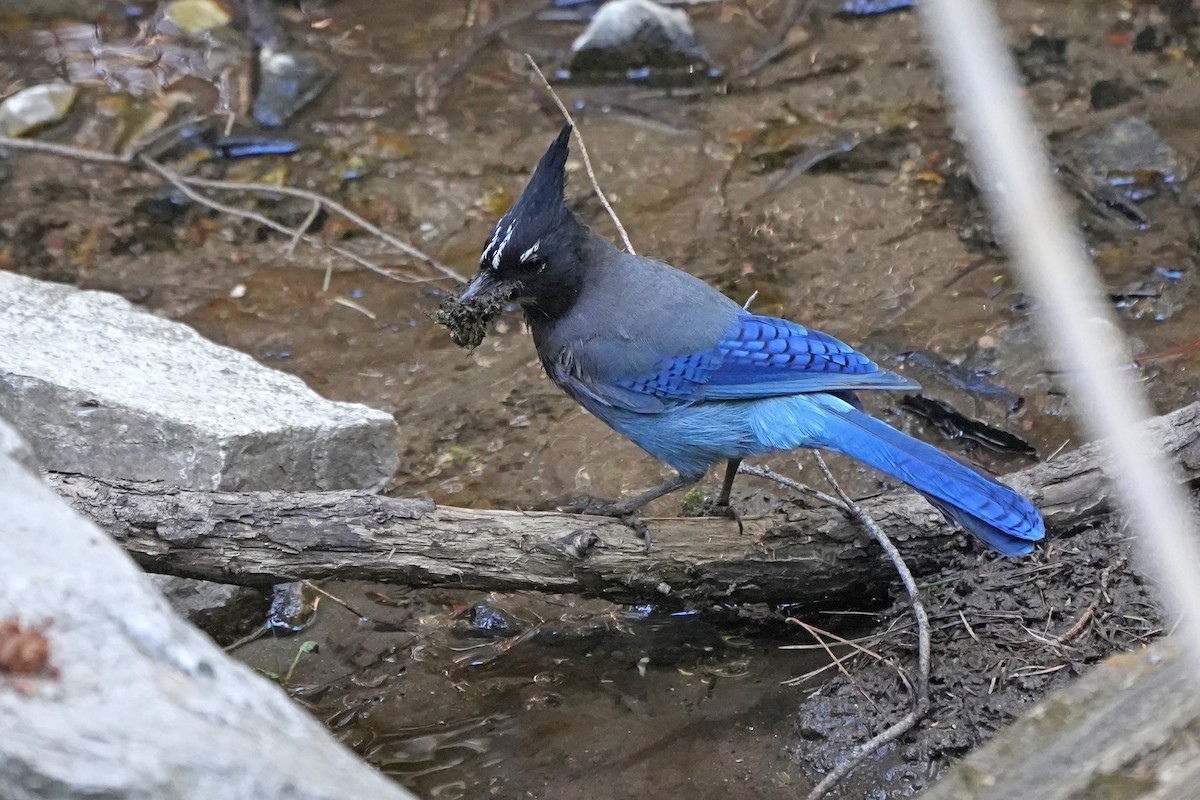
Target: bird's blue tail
[999, 516]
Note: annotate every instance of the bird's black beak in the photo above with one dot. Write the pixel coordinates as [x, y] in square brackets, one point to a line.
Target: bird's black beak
[479, 285]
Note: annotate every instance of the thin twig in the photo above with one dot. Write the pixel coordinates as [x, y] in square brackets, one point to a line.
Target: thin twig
[335, 207]
[816, 632]
[783, 480]
[336, 599]
[187, 184]
[1090, 611]
[303, 228]
[921, 700]
[587, 162]
[778, 44]
[67, 150]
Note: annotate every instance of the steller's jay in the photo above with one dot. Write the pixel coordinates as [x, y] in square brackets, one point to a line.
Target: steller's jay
[692, 378]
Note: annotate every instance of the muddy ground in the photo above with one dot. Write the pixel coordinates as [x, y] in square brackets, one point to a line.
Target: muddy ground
[431, 125]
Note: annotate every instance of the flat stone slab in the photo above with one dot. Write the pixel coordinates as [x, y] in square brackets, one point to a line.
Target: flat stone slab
[128, 701]
[103, 389]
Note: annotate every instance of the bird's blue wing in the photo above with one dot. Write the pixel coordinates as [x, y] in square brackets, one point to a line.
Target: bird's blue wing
[760, 357]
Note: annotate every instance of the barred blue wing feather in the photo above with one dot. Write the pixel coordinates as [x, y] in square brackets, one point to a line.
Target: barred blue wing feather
[763, 357]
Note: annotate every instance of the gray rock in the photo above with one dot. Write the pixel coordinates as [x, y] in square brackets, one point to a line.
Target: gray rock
[1128, 147]
[13, 447]
[36, 106]
[105, 390]
[288, 81]
[224, 612]
[135, 703]
[630, 34]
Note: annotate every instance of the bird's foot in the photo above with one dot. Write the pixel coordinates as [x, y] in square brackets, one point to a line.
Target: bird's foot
[707, 507]
[636, 525]
[597, 507]
[732, 513]
[594, 506]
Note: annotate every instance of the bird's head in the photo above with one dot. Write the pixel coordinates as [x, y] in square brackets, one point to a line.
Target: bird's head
[519, 256]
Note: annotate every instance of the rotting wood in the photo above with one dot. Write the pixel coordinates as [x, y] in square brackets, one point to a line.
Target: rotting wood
[813, 557]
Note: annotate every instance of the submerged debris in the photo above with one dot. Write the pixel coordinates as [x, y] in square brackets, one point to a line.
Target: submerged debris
[866, 8]
[1112, 93]
[468, 321]
[961, 377]
[293, 607]
[1130, 155]
[1043, 58]
[197, 16]
[957, 425]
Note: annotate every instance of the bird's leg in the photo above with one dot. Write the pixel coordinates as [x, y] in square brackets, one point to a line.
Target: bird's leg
[731, 468]
[624, 508]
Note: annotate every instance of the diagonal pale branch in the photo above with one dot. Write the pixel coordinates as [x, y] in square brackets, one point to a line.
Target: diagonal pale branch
[587, 161]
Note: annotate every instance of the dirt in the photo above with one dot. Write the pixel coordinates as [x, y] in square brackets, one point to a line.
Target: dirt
[1003, 634]
[882, 241]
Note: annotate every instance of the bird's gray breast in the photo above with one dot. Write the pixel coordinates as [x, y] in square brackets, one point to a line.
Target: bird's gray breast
[632, 314]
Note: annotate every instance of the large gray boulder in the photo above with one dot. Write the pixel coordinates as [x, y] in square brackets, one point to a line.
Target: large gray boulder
[106, 390]
[135, 703]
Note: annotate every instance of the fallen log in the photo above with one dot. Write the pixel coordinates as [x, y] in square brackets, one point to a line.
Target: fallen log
[816, 557]
[1126, 729]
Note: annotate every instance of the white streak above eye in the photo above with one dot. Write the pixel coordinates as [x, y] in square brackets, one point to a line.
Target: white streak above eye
[494, 240]
[531, 252]
[503, 244]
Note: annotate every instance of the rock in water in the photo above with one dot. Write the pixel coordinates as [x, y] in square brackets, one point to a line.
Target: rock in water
[633, 34]
[288, 81]
[36, 106]
[1127, 147]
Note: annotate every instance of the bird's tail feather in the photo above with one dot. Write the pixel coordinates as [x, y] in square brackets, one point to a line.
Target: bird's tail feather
[998, 515]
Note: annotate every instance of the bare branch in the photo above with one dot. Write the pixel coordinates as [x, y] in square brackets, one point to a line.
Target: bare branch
[37, 146]
[185, 185]
[921, 692]
[921, 700]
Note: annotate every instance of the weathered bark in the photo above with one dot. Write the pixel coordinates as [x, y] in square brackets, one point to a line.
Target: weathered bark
[1127, 729]
[808, 556]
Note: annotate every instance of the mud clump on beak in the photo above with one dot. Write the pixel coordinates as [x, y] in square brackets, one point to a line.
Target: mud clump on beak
[467, 320]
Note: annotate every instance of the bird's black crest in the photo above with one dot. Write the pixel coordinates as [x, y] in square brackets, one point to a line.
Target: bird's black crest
[514, 243]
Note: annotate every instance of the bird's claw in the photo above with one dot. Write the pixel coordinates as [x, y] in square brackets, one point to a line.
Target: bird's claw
[597, 507]
[594, 506]
[711, 508]
[732, 513]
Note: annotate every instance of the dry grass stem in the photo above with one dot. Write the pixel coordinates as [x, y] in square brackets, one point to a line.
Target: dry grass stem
[587, 162]
[188, 184]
